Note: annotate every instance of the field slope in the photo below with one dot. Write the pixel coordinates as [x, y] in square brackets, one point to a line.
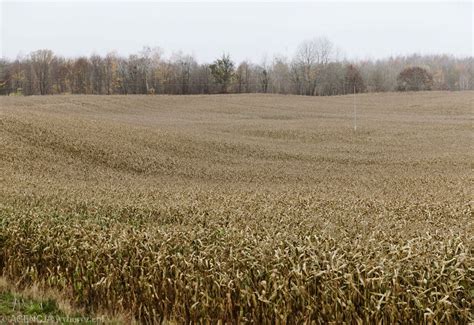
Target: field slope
[263, 208]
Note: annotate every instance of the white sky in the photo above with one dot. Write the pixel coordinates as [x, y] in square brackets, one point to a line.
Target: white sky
[243, 29]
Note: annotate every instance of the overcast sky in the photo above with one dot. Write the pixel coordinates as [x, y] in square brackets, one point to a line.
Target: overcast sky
[245, 30]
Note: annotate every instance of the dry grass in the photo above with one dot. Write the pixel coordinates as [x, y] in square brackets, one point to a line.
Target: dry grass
[242, 208]
[34, 304]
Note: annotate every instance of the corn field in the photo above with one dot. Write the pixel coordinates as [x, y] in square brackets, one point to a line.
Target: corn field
[242, 209]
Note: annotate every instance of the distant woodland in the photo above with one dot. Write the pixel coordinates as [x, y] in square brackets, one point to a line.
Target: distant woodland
[316, 69]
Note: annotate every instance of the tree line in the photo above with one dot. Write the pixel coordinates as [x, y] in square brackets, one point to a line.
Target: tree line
[316, 69]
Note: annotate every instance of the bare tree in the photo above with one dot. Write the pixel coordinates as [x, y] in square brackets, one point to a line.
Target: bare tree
[203, 78]
[311, 57]
[61, 75]
[98, 70]
[330, 79]
[110, 73]
[280, 75]
[183, 67]
[148, 60]
[5, 77]
[81, 76]
[243, 76]
[41, 67]
[153, 76]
